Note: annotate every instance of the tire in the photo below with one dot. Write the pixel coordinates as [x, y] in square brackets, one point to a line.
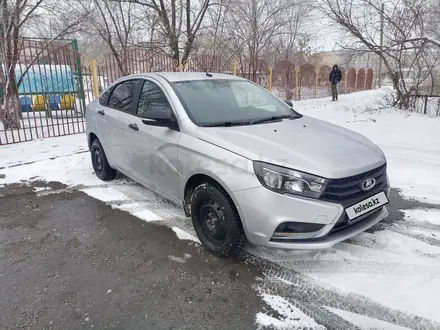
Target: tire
[216, 220]
[100, 164]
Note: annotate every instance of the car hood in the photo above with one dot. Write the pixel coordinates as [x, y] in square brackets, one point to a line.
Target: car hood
[305, 144]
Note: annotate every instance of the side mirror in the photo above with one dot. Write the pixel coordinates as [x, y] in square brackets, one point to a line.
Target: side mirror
[157, 117]
[289, 103]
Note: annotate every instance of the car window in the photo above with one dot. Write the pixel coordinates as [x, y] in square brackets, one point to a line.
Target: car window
[152, 98]
[103, 99]
[216, 101]
[122, 95]
[248, 98]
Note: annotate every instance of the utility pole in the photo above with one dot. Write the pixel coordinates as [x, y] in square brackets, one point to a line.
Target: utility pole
[382, 8]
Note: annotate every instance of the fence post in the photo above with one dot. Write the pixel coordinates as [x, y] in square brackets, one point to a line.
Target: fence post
[94, 78]
[365, 81]
[234, 69]
[346, 81]
[426, 105]
[180, 66]
[270, 78]
[80, 78]
[316, 81]
[356, 81]
[296, 83]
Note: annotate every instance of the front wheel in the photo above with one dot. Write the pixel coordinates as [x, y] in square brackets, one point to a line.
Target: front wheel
[100, 164]
[216, 220]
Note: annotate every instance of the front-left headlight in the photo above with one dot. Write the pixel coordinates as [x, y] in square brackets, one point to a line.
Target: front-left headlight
[287, 181]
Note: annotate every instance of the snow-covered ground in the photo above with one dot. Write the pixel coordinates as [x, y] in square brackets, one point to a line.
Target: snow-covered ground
[384, 279]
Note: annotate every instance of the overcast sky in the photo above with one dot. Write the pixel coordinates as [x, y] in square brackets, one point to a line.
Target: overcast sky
[325, 36]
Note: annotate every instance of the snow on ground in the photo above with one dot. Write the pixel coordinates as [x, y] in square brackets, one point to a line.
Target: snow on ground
[293, 319]
[431, 216]
[396, 268]
[182, 234]
[365, 322]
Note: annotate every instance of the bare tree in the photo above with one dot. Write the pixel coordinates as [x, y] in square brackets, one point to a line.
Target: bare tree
[116, 23]
[255, 25]
[15, 16]
[213, 40]
[292, 43]
[407, 51]
[180, 23]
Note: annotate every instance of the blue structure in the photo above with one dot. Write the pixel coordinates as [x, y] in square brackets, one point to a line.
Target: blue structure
[54, 102]
[25, 103]
[46, 79]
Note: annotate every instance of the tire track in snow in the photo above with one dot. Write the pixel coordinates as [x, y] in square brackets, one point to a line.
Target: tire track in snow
[420, 237]
[355, 266]
[309, 292]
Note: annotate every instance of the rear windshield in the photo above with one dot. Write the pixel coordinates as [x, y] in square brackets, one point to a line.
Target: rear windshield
[215, 101]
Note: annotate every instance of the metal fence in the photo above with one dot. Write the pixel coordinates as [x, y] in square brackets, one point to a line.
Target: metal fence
[426, 104]
[284, 78]
[45, 87]
[41, 90]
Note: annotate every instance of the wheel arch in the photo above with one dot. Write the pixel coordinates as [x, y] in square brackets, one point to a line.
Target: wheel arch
[198, 178]
[90, 138]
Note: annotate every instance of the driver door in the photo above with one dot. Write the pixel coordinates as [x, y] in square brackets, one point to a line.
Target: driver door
[153, 147]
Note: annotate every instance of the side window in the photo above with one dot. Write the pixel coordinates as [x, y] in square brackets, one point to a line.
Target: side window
[152, 98]
[122, 95]
[103, 99]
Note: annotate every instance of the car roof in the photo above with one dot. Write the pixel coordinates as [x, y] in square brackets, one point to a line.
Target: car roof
[185, 76]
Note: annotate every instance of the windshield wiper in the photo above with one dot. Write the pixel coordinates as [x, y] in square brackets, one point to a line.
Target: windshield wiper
[228, 123]
[273, 118]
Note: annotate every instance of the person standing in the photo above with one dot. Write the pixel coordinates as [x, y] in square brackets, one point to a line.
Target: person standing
[335, 77]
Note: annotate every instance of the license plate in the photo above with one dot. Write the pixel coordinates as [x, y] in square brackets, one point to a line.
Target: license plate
[367, 205]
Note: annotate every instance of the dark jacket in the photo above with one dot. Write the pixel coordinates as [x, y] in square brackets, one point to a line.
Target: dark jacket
[335, 75]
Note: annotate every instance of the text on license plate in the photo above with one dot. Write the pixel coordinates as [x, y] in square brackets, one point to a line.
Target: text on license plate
[367, 205]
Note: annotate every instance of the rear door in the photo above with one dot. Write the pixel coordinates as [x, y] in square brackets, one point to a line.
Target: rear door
[153, 148]
[97, 122]
[120, 112]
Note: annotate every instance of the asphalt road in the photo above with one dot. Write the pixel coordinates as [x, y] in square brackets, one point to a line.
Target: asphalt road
[68, 261]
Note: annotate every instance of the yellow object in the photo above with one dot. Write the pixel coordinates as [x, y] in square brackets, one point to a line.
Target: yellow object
[234, 69]
[39, 103]
[180, 67]
[94, 79]
[67, 102]
[270, 78]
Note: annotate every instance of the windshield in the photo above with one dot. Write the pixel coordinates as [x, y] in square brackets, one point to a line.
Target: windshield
[227, 102]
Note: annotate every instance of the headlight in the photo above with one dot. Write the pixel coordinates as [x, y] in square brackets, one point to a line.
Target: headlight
[287, 181]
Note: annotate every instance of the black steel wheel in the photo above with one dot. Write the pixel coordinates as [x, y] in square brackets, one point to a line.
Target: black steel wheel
[216, 220]
[100, 164]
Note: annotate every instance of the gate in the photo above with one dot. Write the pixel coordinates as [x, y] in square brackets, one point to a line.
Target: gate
[41, 90]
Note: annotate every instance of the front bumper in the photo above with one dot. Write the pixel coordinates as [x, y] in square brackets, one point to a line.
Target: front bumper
[262, 211]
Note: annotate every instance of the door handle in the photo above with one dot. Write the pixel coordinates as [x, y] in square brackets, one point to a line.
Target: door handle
[134, 127]
[101, 112]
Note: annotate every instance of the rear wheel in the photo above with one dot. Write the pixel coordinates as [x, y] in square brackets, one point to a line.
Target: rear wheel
[216, 220]
[100, 163]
